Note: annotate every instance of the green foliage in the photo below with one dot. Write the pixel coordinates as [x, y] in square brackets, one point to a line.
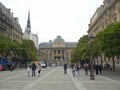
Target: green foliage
[4, 43]
[105, 42]
[31, 50]
[81, 51]
[26, 50]
[109, 42]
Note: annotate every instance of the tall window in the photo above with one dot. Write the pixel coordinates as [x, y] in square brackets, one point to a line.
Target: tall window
[58, 51]
[54, 51]
[62, 51]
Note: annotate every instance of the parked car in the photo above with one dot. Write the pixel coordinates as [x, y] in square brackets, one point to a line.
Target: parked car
[42, 63]
[53, 64]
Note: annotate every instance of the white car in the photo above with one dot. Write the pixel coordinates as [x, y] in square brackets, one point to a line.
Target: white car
[42, 64]
[53, 65]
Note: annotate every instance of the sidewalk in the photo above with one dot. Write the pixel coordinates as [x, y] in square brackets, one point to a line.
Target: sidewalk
[101, 82]
[55, 79]
[112, 74]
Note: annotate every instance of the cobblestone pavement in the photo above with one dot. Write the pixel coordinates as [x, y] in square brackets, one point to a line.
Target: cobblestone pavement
[55, 79]
[110, 74]
[101, 82]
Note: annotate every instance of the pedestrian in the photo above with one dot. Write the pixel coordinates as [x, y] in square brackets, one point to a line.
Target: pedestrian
[1, 67]
[73, 70]
[17, 66]
[100, 69]
[78, 68]
[86, 68]
[28, 70]
[65, 68]
[12, 67]
[33, 66]
[39, 69]
[97, 69]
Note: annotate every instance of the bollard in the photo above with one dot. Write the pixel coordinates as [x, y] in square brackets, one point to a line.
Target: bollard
[92, 75]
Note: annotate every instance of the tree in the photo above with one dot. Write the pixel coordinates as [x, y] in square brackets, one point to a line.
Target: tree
[4, 44]
[109, 41]
[26, 50]
[31, 50]
[81, 51]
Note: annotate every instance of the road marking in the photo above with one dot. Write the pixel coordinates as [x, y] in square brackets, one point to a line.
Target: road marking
[29, 86]
[77, 83]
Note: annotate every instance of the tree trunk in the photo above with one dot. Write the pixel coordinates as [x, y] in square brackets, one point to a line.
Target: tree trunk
[113, 64]
[101, 60]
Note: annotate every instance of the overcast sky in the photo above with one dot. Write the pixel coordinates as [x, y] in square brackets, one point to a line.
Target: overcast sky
[50, 18]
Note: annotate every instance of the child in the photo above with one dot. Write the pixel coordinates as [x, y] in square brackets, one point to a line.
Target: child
[28, 71]
[39, 69]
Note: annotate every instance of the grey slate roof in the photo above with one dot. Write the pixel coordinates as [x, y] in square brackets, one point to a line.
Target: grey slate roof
[45, 45]
[71, 44]
[49, 45]
[57, 40]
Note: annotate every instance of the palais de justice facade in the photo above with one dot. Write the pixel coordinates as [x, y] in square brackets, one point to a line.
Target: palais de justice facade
[57, 51]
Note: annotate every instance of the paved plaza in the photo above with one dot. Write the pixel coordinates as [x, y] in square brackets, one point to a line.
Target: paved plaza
[53, 78]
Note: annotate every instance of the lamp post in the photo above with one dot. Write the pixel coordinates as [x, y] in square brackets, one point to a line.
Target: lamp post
[91, 39]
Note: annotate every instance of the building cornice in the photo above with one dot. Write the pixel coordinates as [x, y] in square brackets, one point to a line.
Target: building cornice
[100, 14]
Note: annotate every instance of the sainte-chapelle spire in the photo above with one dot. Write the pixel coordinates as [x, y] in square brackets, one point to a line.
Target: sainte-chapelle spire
[28, 27]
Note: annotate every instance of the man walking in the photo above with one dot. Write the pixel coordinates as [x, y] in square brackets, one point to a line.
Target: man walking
[33, 66]
[65, 68]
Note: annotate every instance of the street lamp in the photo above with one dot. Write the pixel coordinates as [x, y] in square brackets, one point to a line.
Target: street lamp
[91, 39]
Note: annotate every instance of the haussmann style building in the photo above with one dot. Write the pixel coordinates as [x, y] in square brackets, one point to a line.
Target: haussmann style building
[107, 13]
[9, 25]
[58, 51]
[104, 15]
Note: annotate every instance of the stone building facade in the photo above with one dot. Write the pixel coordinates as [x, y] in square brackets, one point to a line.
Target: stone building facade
[57, 51]
[107, 13]
[9, 25]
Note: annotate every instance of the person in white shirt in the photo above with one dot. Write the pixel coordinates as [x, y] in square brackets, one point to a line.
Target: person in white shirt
[28, 71]
[73, 69]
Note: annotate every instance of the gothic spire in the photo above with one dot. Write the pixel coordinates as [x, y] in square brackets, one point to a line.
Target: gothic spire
[28, 28]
